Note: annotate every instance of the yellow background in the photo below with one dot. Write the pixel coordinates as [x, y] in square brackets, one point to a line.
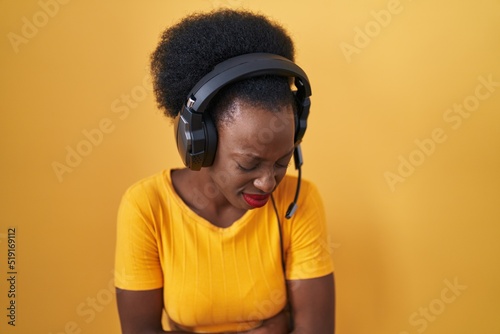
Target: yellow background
[397, 246]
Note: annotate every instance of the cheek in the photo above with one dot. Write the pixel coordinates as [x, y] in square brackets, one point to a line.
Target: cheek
[227, 179]
[280, 175]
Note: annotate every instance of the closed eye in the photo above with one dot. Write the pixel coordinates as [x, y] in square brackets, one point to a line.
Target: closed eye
[247, 169]
[280, 165]
[284, 163]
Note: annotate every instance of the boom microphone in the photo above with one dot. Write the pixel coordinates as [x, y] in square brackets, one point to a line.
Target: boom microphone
[297, 156]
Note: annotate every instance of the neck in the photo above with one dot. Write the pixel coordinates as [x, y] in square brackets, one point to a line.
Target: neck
[199, 192]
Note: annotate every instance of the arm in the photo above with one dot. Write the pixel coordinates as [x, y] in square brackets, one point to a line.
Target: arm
[140, 311]
[313, 305]
[309, 267]
[137, 265]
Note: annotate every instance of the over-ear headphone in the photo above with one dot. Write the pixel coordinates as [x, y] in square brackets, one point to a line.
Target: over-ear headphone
[195, 131]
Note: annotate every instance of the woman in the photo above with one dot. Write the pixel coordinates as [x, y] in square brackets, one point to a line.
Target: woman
[210, 244]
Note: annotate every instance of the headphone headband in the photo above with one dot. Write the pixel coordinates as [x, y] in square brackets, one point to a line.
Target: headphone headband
[242, 67]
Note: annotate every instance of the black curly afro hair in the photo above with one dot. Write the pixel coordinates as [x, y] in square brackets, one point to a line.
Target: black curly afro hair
[194, 46]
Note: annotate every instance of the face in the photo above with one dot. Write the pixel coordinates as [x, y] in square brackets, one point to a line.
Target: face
[254, 150]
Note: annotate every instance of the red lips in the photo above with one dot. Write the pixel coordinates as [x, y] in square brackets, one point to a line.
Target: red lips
[256, 201]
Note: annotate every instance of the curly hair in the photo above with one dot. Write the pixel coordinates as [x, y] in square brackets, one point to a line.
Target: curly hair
[194, 46]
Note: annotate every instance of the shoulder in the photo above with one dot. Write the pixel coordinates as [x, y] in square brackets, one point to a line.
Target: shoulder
[148, 200]
[149, 189]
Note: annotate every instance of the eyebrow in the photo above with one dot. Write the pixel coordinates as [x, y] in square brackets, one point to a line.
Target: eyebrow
[258, 158]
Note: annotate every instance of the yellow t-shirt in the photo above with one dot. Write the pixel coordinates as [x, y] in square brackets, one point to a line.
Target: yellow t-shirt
[218, 279]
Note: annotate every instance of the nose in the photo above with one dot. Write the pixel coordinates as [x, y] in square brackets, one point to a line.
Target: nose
[266, 182]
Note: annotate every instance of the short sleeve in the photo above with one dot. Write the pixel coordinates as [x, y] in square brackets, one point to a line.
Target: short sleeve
[309, 252]
[137, 263]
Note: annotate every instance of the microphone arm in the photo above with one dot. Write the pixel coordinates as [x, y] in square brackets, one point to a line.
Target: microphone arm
[298, 160]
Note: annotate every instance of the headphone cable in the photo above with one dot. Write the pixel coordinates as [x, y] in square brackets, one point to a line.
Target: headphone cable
[288, 307]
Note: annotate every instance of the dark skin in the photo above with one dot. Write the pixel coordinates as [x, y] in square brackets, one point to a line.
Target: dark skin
[312, 300]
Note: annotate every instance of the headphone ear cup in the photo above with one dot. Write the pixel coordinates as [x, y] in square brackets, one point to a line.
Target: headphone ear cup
[296, 117]
[182, 137]
[196, 138]
[301, 115]
[211, 139]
